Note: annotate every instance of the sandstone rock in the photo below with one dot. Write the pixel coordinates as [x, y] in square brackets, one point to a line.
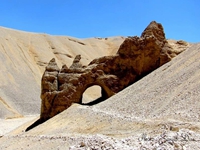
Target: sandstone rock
[49, 86]
[136, 57]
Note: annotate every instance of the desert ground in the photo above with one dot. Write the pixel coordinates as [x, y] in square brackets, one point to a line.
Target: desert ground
[160, 111]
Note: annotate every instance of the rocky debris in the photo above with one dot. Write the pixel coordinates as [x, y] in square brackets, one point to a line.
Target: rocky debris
[136, 57]
[184, 139]
[177, 47]
[181, 140]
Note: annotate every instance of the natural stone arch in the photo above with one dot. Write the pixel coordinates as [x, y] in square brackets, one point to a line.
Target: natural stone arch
[90, 94]
[106, 92]
[136, 57]
[93, 95]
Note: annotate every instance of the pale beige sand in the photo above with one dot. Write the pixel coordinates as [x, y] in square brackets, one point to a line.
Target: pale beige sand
[161, 111]
[7, 125]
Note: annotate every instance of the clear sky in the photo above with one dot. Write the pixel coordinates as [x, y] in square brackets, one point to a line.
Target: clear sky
[103, 18]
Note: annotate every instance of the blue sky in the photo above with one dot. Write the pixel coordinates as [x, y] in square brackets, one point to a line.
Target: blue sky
[102, 18]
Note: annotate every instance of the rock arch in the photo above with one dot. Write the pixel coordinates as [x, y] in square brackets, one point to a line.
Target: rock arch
[136, 57]
[93, 95]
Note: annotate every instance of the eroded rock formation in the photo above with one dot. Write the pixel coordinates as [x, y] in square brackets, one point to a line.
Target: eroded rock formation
[136, 57]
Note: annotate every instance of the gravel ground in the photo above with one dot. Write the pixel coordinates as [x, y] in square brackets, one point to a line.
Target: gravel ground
[167, 140]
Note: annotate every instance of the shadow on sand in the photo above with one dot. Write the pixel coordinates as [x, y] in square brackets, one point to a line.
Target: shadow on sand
[39, 121]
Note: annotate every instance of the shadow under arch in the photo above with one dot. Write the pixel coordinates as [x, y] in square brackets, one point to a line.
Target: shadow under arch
[104, 95]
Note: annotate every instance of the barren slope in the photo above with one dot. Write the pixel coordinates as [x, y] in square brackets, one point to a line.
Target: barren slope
[159, 111]
[23, 57]
[169, 93]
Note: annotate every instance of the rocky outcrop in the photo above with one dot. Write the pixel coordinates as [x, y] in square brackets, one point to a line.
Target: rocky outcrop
[136, 57]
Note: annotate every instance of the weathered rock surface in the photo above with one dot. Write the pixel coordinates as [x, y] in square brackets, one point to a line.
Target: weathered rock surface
[24, 55]
[136, 57]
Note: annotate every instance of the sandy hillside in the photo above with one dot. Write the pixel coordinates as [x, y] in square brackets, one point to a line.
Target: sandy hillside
[24, 56]
[159, 111]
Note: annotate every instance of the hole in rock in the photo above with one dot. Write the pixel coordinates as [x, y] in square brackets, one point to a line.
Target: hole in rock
[91, 94]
